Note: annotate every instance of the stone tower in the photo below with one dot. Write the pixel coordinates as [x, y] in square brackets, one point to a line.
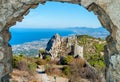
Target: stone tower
[78, 50]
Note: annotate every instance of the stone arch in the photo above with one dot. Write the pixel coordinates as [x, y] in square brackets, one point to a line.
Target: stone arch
[108, 14]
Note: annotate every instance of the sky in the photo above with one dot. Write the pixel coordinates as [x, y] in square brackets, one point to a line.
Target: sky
[59, 15]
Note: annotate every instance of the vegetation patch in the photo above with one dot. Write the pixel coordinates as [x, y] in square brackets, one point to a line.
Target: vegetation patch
[93, 51]
[24, 63]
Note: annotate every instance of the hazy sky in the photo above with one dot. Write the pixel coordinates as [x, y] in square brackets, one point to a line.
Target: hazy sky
[55, 14]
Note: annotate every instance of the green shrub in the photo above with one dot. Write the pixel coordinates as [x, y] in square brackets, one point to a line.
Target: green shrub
[39, 61]
[42, 51]
[99, 47]
[97, 61]
[20, 62]
[48, 58]
[15, 61]
[66, 70]
[67, 60]
[32, 66]
[49, 69]
[24, 63]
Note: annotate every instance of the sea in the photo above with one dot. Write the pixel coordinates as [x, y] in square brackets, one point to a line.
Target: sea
[23, 35]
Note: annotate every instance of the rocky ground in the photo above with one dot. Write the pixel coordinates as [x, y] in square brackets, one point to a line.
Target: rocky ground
[58, 79]
[39, 76]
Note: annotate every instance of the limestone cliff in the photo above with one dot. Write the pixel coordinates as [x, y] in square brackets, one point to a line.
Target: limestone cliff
[62, 46]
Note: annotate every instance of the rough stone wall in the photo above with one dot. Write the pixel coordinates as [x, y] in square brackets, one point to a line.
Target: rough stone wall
[108, 12]
[78, 50]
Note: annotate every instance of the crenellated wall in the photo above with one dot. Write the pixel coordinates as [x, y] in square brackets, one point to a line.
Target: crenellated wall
[108, 12]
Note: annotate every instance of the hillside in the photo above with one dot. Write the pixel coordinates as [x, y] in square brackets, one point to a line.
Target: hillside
[83, 46]
[93, 50]
[77, 58]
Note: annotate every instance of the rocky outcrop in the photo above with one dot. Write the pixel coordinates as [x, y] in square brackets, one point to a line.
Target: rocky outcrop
[60, 46]
[53, 45]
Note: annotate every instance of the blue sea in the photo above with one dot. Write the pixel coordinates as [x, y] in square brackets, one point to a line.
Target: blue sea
[22, 35]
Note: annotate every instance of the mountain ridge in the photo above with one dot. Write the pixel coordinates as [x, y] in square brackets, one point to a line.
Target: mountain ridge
[99, 32]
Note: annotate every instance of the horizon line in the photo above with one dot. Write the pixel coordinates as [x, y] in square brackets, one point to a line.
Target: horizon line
[54, 27]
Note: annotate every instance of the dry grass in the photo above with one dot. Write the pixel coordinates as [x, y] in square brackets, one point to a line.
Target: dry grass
[22, 76]
[53, 70]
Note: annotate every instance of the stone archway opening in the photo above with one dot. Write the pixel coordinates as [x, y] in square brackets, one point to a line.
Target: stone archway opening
[12, 11]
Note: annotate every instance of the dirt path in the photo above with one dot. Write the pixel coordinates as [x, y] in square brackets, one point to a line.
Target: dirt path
[58, 79]
[41, 76]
